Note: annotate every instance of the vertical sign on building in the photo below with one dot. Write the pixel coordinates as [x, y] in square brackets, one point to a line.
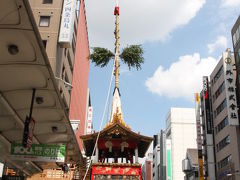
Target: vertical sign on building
[207, 105]
[67, 23]
[168, 159]
[89, 120]
[199, 137]
[230, 89]
[208, 132]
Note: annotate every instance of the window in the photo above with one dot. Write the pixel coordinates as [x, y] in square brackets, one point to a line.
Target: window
[70, 61]
[78, 7]
[44, 43]
[66, 79]
[225, 162]
[223, 143]
[63, 71]
[237, 35]
[73, 44]
[222, 124]
[44, 21]
[234, 39]
[219, 90]
[219, 73]
[65, 52]
[220, 107]
[47, 1]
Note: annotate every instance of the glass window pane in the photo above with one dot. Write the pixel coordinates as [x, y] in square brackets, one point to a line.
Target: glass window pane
[47, 1]
[44, 21]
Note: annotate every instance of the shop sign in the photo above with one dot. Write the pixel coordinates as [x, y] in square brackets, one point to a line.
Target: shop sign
[230, 90]
[168, 159]
[67, 23]
[38, 152]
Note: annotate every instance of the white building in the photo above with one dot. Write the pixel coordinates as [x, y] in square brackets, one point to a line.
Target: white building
[181, 132]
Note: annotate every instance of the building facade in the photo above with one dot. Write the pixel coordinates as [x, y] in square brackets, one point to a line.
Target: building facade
[147, 167]
[190, 165]
[162, 165]
[80, 107]
[225, 117]
[159, 156]
[47, 14]
[236, 49]
[63, 29]
[180, 135]
[206, 149]
[156, 156]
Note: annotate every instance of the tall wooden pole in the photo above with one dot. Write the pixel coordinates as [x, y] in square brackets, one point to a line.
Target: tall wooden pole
[117, 44]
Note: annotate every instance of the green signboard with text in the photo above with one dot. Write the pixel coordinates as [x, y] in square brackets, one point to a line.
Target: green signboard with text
[168, 159]
[38, 152]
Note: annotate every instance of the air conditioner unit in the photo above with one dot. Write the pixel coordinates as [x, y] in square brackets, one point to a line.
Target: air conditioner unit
[186, 165]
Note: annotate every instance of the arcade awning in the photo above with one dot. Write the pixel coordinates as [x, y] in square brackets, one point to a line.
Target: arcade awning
[24, 66]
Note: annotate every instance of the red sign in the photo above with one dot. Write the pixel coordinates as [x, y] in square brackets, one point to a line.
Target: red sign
[116, 170]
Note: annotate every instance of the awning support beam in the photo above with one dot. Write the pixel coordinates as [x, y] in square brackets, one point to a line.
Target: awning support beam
[32, 102]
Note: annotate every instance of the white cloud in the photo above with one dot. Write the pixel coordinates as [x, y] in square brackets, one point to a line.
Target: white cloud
[221, 42]
[183, 78]
[140, 20]
[230, 3]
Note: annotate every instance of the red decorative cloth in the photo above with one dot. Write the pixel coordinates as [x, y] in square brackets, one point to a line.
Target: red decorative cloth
[116, 11]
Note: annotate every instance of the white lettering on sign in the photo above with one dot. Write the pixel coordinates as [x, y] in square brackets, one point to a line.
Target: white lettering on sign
[230, 89]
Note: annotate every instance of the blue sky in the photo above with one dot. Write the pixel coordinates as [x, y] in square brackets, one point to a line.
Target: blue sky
[182, 41]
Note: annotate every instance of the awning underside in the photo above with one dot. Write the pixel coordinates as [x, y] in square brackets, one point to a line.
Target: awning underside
[20, 73]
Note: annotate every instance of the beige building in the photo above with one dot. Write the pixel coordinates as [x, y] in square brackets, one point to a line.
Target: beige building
[47, 14]
[180, 135]
[225, 119]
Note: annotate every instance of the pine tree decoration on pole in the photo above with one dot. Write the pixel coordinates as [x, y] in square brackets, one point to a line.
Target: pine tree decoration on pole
[131, 55]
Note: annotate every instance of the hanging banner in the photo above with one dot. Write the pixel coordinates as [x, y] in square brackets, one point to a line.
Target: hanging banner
[28, 132]
[230, 89]
[38, 152]
[89, 120]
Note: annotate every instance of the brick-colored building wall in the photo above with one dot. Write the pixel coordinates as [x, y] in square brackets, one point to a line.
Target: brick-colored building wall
[148, 173]
[80, 75]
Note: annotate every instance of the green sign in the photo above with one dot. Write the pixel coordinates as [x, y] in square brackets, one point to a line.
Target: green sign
[38, 152]
[168, 159]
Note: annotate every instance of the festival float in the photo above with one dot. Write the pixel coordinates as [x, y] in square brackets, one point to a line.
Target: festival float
[116, 148]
